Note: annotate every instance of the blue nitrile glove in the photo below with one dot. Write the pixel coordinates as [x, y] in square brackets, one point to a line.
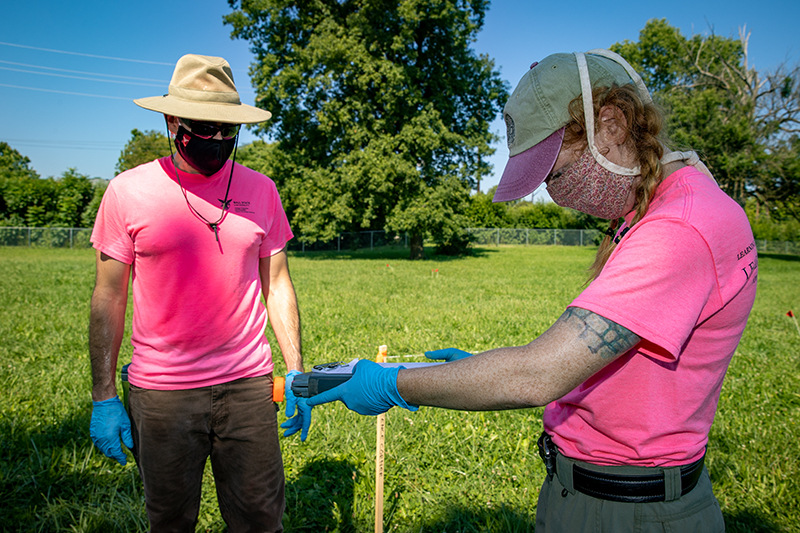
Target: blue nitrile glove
[371, 391]
[447, 354]
[303, 418]
[109, 423]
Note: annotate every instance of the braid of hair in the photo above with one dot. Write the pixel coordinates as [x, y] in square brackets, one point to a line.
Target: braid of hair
[645, 123]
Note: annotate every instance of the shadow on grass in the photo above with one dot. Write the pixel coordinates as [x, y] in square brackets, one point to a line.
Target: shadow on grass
[393, 254]
[321, 497]
[457, 519]
[51, 479]
[748, 522]
[506, 520]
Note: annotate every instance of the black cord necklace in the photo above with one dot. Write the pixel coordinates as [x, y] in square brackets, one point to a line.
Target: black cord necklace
[213, 226]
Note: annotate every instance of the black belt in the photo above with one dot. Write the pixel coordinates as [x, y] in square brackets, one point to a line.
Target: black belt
[618, 488]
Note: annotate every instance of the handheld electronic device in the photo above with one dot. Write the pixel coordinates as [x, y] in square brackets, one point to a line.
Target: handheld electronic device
[329, 375]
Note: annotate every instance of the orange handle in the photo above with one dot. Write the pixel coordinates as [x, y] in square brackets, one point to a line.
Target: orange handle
[278, 389]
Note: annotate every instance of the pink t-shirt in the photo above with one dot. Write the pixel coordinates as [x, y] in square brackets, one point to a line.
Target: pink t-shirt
[198, 319]
[684, 280]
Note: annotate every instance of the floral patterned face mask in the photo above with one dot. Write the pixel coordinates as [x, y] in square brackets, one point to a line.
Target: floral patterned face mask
[590, 188]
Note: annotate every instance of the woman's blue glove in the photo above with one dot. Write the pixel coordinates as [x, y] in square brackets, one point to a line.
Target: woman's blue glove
[371, 391]
[448, 354]
[109, 423]
[303, 418]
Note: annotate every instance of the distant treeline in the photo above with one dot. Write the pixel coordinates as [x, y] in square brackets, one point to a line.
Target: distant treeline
[71, 201]
[368, 134]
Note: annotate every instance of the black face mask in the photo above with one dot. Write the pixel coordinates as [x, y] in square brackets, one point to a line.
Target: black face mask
[206, 156]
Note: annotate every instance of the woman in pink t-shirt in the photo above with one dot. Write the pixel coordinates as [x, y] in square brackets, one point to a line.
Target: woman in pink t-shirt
[631, 372]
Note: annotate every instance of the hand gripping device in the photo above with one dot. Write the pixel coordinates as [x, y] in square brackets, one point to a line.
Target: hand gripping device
[329, 375]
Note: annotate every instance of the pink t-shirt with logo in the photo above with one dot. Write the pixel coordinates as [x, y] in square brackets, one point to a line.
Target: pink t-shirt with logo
[684, 280]
[198, 318]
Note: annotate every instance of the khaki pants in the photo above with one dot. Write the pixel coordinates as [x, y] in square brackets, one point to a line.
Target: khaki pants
[175, 432]
[561, 509]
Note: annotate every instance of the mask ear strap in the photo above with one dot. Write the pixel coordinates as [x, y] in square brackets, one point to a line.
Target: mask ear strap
[588, 112]
[691, 158]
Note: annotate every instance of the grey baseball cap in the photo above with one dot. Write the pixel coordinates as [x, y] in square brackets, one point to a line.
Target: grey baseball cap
[537, 112]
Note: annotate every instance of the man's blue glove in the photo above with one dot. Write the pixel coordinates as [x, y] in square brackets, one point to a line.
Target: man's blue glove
[109, 423]
[303, 418]
[371, 391]
[447, 354]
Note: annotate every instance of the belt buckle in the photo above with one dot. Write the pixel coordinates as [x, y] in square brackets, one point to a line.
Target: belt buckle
[548, 452]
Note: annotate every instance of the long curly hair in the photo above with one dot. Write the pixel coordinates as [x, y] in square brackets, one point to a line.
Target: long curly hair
[645, 131]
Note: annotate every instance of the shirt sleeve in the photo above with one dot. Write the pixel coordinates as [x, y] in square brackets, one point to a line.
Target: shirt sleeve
[279, 232]
[110, 234]
[656, 284]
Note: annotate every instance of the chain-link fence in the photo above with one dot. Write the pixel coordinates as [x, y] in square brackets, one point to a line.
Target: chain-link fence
[354, 240]
[524, 236]
[778, 247]
[46, 237]
[79, 238]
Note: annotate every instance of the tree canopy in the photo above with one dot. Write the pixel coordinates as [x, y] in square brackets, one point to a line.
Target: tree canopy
[142, 147]
[381, 111]
[381, 115]
[743, 122]
[27, 200]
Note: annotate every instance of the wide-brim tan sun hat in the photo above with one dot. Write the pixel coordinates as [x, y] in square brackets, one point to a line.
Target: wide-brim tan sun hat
[202, 88]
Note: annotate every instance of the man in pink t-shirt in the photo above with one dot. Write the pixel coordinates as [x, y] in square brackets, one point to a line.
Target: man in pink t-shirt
[203, 239]
[631, 372]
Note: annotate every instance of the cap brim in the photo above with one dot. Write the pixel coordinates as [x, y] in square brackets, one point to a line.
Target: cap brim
[527, 170]
[206, 111]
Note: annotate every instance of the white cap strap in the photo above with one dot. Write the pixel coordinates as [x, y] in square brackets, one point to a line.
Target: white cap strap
[588, 112]
[690, 158]
[645, 94]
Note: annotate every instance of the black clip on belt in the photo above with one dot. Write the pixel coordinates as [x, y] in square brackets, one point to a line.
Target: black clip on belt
[619, 488]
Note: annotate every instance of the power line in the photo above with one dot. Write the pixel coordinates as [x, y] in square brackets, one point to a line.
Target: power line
[64, 142]
[79, 77]
[65, 146]
[239, 70]
[86, 55]
[64, 92]
[245, 89]
[81, 72]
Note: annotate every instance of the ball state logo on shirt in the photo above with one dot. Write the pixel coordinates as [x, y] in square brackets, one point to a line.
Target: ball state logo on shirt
[239, 207]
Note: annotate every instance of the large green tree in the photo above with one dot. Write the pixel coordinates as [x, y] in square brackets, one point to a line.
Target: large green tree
[14, 167]
[13, 164]
[743, 122]
[32, 201]
[381, 111]
[142, 147]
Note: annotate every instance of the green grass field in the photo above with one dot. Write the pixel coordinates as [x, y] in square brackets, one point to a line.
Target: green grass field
[446, 471]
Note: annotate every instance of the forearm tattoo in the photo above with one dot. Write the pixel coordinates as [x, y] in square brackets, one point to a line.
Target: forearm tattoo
[603, 337]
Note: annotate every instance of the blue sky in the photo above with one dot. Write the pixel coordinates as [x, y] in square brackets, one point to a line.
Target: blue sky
[52, 54]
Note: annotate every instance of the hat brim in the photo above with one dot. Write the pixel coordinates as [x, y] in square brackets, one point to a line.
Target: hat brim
[205, 111]
[527, 170]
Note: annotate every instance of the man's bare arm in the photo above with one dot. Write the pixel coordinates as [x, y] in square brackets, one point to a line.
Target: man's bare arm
[107, 324]
[578, 345]
[281, 301]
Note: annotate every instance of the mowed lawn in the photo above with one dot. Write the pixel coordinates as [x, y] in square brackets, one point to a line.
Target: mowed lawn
[446, 471]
